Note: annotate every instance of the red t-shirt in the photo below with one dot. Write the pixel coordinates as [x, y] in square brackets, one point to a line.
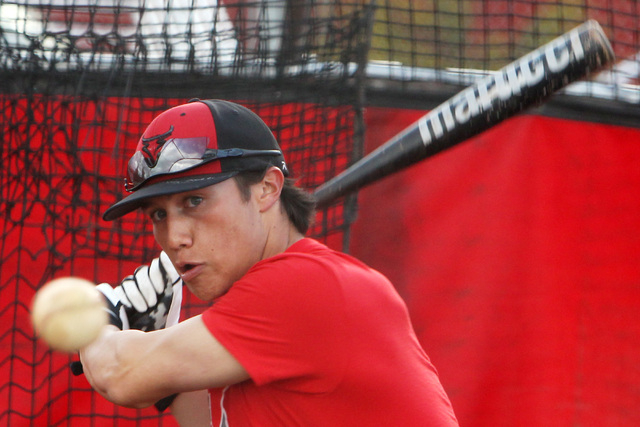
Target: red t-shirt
[327, 341]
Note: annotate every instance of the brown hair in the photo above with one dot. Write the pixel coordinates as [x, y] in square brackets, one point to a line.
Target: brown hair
[298, 204]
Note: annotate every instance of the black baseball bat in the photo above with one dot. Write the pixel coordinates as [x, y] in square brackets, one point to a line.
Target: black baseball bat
[524, 83]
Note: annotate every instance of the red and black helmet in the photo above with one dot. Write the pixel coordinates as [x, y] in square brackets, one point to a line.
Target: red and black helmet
[195, 145]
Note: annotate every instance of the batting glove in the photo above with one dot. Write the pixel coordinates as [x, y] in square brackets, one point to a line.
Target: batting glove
[152, 295]
[114, 307]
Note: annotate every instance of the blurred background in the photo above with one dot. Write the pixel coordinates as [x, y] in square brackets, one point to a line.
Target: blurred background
[516, 252]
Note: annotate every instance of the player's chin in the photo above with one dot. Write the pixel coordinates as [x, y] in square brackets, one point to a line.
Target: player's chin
[206, 290]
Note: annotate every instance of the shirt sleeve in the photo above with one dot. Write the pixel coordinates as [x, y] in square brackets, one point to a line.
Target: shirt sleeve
[283, 322]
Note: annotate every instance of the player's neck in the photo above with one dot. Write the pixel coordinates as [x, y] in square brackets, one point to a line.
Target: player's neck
[281, 234]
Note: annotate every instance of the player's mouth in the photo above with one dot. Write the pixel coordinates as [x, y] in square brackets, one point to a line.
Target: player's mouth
[189, 271]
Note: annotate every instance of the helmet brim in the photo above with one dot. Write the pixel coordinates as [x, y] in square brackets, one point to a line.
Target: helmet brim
[173, 186]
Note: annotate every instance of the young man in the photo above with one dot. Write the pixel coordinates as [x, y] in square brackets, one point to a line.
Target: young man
[297, 335]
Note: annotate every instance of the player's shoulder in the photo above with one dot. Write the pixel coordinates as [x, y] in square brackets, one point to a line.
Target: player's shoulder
[304, 273]
[301, 258]
[309, 254]
[308, 267]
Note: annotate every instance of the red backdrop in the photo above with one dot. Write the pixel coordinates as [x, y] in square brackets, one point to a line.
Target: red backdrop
[517, 253]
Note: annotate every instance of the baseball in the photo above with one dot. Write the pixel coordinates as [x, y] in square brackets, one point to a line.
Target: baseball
[68, 313]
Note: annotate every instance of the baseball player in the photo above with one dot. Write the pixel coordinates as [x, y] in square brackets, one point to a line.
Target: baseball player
[297, 334]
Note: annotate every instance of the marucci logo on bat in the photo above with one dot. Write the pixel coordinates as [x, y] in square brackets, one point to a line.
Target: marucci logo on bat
[506, 84]
[526, 82]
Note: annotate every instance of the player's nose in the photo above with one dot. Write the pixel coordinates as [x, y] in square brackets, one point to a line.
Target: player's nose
[179, 233]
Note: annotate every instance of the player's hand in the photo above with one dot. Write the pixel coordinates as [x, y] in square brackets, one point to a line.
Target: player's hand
[152, 295]
[114, 306]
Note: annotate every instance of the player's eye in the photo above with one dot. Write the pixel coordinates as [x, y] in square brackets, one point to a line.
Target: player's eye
[193, 201]
[157, 215]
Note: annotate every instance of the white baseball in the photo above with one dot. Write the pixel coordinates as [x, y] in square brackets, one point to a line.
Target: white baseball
[68, 313]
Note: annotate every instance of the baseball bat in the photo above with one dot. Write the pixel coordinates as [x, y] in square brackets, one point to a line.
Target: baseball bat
[524, 83]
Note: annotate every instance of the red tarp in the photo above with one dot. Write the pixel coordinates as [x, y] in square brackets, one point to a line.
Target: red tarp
[517, 253]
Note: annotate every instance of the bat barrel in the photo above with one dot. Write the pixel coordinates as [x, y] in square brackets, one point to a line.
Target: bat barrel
[524, 83]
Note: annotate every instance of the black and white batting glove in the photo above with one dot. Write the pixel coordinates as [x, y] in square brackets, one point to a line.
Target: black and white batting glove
[114, 306]
[152, 295]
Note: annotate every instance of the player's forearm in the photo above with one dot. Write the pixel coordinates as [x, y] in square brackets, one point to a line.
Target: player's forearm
[112, 367]
[136, 369]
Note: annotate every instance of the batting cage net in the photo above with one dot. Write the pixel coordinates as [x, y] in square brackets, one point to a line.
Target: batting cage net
[81, 79]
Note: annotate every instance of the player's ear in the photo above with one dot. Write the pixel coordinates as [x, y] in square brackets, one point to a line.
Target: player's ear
[270, 188]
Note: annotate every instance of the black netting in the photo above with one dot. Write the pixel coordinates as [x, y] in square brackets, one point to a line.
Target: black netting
[80, 79]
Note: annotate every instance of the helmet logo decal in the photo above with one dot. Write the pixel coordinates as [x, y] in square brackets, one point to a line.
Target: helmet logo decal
[151, 154]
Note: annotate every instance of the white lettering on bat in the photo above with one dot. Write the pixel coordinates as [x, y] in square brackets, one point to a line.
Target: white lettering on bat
[480, 98]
